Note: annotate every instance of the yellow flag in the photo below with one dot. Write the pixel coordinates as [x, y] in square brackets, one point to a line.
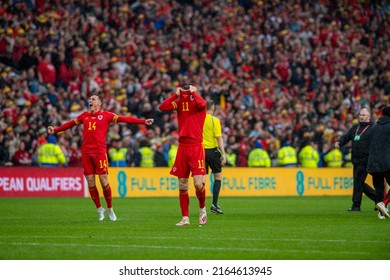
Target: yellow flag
[222, 101]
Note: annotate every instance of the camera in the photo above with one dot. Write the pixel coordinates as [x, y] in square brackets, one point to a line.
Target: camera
[186, 87]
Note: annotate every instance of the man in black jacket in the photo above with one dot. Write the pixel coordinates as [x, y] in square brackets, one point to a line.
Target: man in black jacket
[359, 134]
[379, 159]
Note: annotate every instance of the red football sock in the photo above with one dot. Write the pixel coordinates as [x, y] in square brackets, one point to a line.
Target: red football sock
[386, 198]
[107, 195]
[201, 195]
[94, 193]
[184, 202]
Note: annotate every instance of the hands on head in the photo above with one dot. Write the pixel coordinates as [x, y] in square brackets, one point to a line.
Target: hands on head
[190, 88]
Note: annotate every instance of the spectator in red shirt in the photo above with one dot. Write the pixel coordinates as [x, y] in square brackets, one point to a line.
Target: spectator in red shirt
[46, 70]
[3, 43]
[21, 157]
[64, 72]
[282, 70]
[74, 155]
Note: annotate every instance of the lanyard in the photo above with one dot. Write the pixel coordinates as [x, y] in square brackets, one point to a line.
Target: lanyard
[356, 133]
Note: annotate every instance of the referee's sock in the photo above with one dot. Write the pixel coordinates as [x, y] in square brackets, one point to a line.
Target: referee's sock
[216, 189]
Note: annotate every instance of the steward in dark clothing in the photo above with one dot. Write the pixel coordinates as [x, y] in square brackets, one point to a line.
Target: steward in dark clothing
[379, 154]
[359, 134]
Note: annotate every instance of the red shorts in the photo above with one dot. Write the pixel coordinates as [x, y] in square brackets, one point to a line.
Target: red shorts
[94, 164]
[189, 158]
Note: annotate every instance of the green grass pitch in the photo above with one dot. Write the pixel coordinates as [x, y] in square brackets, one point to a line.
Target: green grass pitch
[253, 228]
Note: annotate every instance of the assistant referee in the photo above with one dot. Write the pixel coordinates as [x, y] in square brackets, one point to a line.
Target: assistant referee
[215, 152]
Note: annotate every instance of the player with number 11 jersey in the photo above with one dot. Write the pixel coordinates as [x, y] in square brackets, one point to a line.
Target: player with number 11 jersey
[190, 157]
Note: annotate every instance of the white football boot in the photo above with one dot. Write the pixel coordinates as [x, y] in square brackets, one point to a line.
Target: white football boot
[202, 216]
[111, 214]
[185, 221]
[101, 213]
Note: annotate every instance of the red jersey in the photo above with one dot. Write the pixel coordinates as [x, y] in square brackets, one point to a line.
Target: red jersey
[48, 72]
[282, 67]
[20, 156]
[74, 158]
[191, 113]
[95, 129]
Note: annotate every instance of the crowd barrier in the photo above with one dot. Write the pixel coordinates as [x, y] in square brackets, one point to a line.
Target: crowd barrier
[157, 182]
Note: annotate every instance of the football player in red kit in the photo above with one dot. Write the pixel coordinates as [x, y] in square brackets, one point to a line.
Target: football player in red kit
[94, 148]
[190, 158]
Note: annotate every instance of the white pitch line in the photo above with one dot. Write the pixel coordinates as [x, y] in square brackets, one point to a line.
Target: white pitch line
[208, 238]
[180, 248]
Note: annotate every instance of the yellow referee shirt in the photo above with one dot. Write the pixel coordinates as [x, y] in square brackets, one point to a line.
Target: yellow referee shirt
[211, 129]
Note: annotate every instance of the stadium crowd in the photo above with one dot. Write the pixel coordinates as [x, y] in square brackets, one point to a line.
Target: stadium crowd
[283, 71]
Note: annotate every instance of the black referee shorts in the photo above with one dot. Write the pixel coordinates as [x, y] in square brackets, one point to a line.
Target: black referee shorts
[213, 160]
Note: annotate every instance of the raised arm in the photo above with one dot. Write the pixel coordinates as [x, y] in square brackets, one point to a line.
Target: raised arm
[132, 120]
[201, 103]
[63, 127]
[169, 104]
